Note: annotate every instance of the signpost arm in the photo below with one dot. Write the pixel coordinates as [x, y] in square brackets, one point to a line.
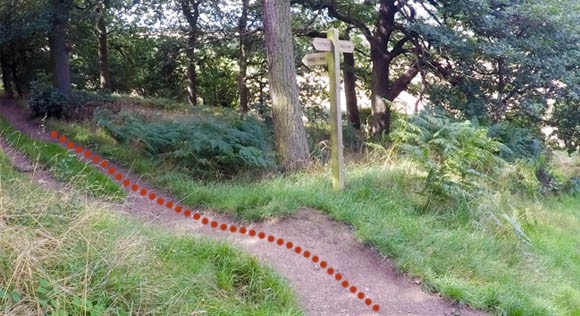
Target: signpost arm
[337, 159]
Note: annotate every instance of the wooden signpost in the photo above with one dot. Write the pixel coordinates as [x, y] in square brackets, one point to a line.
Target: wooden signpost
[333, 47]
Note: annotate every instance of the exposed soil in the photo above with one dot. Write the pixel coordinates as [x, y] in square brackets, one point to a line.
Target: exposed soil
[317, 292]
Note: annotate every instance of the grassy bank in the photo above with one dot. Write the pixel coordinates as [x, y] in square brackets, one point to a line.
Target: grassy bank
[63, 164]
[501, 252]
[63, 255]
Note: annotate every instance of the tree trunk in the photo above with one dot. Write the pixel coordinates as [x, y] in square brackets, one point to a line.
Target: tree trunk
[243, 59]
[381, 110]
[190, 10]
[103, 51]
[289, 131]
[350, 91]
[6, 75]
[58, 47]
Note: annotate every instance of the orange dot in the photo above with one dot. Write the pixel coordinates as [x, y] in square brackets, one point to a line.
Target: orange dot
[178, 208]
[338, 277]
[361, 295]
[160, 201]
[143, 192]
[280, 241]
[126, 182]
[169, 204]
[376, 308]
[289, 245]
[96, 159]
[53, 134]
[62, 139]
[368, 301]
[315, 259]
[271, 238]
[134, 187]
[223, 226]
[79, 149]
[298, 250]
[233, 229]
[70, 145]
[353, 289]
[111, 170]
[261, 235]
[152, 196]
[330, 271]
[306, 254]
[243, 230]
[187, 213]
[344, 284]
[323, 264]
[204, 220]
[196, 216]
[119, 177]
[88, 153]
[104, 164]
[214, 224]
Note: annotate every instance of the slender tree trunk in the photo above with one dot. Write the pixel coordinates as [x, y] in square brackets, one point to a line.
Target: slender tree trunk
[190, 10]
[58, 47]
[103, 51]
[287, 114]
[350, 91]
[243, 59]
[6, 75]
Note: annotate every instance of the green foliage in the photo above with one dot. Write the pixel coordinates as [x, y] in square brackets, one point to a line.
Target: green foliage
[202, 147]
[517, 143]
[456, 155]
[567, 117]
[47, 101]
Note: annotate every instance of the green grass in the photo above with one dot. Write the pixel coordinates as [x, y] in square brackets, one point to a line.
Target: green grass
[508, 254]
[63, 255]
[63, 164]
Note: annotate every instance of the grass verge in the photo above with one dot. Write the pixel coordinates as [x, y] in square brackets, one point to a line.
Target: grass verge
[504, 253]
[63, 164]
[63, 255]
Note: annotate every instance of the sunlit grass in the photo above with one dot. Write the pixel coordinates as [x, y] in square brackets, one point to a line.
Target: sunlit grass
[61, 254]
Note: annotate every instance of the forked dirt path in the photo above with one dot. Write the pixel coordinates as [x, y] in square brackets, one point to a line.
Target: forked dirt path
[318, 293]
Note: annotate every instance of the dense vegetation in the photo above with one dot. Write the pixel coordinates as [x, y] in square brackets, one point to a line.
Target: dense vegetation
[474, 190]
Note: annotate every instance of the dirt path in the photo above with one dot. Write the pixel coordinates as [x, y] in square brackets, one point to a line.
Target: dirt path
[318, 293]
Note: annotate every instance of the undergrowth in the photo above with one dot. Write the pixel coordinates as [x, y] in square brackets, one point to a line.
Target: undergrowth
[63, 255]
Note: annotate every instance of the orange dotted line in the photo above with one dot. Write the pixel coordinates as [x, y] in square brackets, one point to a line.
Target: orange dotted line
[95, 159]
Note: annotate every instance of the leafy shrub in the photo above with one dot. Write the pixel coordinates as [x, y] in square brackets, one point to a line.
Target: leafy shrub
[517, 143]
[47, 101]
[456, 155]
[202, 147]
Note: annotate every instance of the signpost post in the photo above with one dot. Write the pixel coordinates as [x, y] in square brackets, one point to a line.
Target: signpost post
[333, 47]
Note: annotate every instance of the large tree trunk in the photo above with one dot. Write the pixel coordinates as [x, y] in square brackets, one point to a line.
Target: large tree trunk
[103, 51]
[290, 135]
[190, 10]
[381, 110]
[58, 47]
[243, 59]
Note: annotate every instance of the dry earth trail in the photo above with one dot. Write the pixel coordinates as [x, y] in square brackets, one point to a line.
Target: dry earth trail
[317, 292]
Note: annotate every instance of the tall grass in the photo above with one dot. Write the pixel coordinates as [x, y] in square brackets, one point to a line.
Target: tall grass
[63, 255]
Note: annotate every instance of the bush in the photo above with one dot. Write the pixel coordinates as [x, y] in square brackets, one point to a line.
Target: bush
[202, 147]
[47, 101]
[456, 155]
